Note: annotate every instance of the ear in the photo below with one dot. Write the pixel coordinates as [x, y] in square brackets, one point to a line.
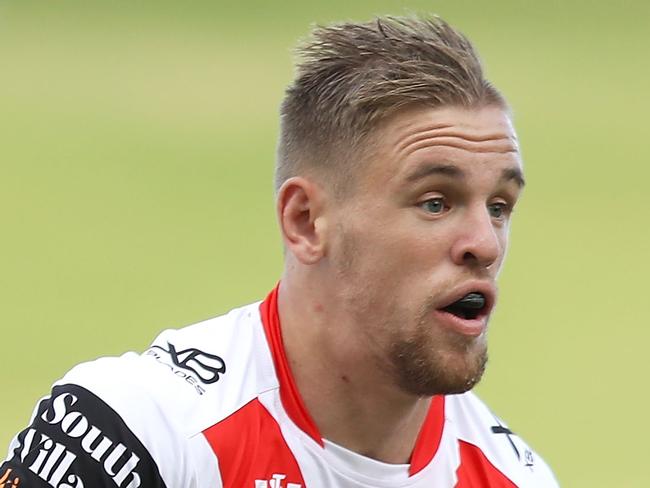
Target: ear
[300, 208]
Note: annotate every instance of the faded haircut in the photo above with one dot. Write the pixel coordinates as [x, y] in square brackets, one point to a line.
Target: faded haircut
[352, 76]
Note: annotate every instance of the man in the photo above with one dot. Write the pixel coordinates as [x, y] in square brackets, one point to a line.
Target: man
[398, 170]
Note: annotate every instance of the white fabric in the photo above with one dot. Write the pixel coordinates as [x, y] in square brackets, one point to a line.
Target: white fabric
[168, 411]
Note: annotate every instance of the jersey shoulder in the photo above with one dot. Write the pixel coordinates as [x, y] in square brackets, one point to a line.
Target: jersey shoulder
[151, 406]
[485, 438]
[196, 375]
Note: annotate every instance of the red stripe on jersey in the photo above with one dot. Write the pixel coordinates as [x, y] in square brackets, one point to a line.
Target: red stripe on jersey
[429, 437]
[250, 447]
[289, 394]
[476, 471]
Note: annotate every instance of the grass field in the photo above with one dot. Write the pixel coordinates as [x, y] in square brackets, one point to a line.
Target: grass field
[136, 153]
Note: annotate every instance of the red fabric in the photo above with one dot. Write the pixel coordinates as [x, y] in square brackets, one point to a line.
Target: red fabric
[289, 394]
[250, 447]
[476, 471]
[429, 437]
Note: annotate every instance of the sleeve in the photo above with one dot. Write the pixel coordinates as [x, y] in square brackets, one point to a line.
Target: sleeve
[76, 440]
[120, 422]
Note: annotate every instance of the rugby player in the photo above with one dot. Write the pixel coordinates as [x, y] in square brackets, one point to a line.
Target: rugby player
[397, 172]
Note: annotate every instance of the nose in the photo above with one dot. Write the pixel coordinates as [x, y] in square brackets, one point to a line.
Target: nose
[478, 243]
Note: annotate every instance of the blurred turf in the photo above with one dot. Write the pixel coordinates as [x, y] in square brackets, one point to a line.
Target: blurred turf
[136, 155]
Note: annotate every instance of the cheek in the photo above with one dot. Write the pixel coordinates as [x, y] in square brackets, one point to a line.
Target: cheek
[503, 235]
[390, 270]
[389, 249]
[499, 264]
[368, 262]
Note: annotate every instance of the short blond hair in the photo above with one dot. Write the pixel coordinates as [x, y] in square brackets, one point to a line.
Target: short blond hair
[351, 76]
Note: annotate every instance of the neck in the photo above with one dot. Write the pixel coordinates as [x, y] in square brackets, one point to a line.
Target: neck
[350, 397]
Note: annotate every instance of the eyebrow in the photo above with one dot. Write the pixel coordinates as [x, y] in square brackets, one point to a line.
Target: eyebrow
[436, 169]
[508, 174]
[514, 174]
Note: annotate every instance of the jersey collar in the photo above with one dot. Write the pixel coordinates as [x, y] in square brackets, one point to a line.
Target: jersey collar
[430, 434]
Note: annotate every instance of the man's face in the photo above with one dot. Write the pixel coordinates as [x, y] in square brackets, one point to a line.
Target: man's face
[426, 225]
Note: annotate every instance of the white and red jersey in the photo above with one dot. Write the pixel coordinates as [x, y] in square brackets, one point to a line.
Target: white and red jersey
[215, 405]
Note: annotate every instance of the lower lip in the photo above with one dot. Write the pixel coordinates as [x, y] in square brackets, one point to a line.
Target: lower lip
[469, 327]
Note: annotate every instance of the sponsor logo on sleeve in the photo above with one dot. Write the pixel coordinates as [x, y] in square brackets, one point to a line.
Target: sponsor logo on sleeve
[66, 449]
[9, 481]
[192, 365]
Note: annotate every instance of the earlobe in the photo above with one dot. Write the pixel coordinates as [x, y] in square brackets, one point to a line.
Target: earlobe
[300, 205]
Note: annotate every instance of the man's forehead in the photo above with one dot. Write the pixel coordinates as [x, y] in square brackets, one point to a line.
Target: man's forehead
[415, 141]
[482, 130]
[417, 136]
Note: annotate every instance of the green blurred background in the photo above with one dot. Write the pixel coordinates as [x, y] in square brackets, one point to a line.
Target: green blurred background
[136, 152]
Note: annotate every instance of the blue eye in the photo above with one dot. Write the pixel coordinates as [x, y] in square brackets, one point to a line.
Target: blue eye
[498, 210]
[434, 205]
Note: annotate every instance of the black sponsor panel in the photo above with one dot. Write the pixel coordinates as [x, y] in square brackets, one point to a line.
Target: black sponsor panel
[76, 440]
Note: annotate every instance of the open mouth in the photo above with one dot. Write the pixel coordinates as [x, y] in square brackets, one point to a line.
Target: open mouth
[468, 307]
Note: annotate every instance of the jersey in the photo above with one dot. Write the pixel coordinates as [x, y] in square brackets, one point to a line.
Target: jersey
[215, 405]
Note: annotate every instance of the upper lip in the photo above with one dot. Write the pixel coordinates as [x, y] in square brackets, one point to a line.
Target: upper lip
[487, 289]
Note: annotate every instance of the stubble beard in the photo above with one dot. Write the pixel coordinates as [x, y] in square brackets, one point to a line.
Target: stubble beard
[437, 362]
[429, 362]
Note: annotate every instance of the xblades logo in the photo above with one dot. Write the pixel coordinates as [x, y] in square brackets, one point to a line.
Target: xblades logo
[207, 367]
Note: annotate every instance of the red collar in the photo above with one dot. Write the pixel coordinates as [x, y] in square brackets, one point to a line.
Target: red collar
[428, 439]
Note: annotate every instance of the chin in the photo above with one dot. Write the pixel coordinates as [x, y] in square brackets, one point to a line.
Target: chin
[426, 373]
